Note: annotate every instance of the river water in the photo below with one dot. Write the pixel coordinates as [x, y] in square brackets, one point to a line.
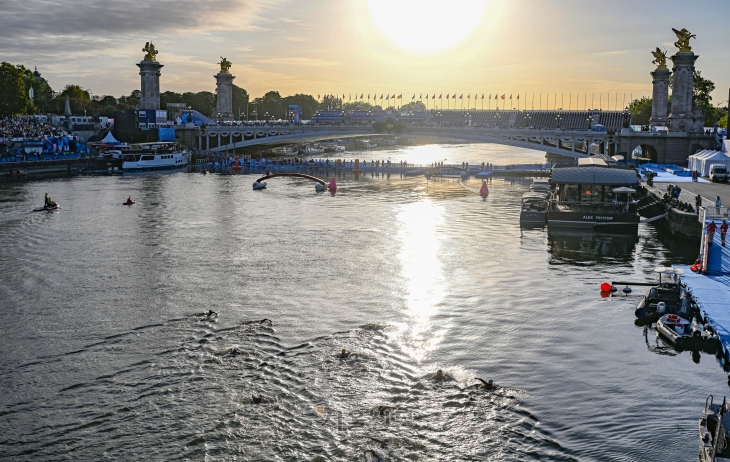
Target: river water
[106, 354]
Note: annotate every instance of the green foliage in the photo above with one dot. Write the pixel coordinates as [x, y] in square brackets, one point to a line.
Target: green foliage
[43, 94]
[414, 106]
[722, 122]
[308, 104]
[640, 111]
[239, 100]
[13, 95]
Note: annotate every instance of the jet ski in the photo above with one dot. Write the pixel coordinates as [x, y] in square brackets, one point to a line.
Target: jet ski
[129, 203]
[48, 208]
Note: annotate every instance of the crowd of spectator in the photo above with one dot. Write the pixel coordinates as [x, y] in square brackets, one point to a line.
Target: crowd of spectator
[28, 128]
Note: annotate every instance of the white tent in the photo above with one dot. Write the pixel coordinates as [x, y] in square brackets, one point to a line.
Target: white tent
[109, 139]
[694, 161]
[705, 159]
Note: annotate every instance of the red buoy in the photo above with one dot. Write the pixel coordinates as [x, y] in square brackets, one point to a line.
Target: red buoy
[605, 287]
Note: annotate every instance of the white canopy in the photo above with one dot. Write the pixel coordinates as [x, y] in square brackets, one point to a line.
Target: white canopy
[702, 161]
[109, 139]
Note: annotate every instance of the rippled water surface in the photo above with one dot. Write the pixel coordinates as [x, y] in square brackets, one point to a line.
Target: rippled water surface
[106, 354]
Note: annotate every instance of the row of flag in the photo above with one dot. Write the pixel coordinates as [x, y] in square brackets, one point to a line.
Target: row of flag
[413, 98]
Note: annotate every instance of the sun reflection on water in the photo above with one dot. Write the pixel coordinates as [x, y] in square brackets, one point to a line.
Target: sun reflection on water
[421, 270]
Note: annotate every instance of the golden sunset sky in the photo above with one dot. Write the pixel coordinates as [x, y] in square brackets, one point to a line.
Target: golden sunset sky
[540, 47]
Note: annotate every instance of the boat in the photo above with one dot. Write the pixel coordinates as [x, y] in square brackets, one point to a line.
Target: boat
[664, 298]
[153, 156]
[540, 185]
[129, 203]
[713, 427]
[366, 144]
[333, 147]
[677, 330]
[594, 196]
[308, 150]
[18, 174]
[47, 208]
[534, 208]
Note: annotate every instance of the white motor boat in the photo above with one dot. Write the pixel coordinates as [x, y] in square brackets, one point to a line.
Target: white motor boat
[310, 150]
[153, 156]
[677, 330]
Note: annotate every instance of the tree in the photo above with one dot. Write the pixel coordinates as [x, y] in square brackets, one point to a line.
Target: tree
[13, 97]
[203, 102]
[307, 103]
[640, 111]
[270, 103]
[42, 92]
[239, 100]
[414, 106]
[722, 122]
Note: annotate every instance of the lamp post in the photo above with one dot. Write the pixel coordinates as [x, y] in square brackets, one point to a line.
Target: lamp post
[528, 120]
[559, 120]
[370, 117]
[438, 116]
[256, 116]
[589, 121]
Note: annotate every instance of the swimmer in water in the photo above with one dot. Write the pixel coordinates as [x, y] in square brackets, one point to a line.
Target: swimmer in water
[212, 313]
[345, 354]
[440, 375]
[383, 409]
[235, 352]
[373, 453]
[257, 399]
[489, 385]
[264, 321]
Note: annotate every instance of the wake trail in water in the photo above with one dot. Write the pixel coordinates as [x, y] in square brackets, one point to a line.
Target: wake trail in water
[199, 393]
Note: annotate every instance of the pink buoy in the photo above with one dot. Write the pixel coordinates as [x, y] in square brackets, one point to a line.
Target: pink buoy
[333, 185]
[485, 190]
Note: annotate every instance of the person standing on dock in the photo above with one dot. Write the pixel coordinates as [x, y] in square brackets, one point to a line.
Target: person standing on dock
[698, 203]
[718, 202]
[711, 228]
[723, 231]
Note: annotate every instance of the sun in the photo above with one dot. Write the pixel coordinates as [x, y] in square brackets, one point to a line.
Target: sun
[427, 26]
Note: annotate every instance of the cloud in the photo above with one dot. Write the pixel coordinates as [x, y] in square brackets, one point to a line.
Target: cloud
[292, 61]
[33, 24]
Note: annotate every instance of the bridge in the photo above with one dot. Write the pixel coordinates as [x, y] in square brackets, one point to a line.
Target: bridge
[558, 133]
[562, 143]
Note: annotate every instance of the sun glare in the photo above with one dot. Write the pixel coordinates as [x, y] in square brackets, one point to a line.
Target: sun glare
[427, 26]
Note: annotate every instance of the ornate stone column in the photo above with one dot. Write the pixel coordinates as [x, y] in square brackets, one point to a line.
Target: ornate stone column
[681, 117]
[224, 91]
[660, 97]
[149, 70]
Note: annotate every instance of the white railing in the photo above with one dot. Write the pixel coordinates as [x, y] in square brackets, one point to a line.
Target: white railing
[710, 213]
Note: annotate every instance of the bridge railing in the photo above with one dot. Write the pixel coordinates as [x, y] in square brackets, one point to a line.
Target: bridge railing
[713, 213]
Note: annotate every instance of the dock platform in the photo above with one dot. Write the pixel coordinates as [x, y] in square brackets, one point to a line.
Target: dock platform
[711, 290]
[712, 296]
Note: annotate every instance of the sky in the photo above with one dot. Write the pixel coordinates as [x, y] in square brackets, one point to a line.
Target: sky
[568, 52]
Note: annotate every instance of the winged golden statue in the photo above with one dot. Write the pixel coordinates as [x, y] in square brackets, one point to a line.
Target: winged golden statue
[683, 37]
[149, 47]
[660, 58]
[225, 66]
